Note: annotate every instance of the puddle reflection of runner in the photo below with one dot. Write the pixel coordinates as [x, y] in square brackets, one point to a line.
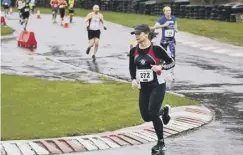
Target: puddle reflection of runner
[93, 21]
[93, 66]
[146, 62]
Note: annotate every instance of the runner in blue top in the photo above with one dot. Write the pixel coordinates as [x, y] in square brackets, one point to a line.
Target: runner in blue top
[168, 25]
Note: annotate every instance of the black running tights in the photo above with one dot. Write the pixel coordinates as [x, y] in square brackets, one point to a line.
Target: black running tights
[150, 101]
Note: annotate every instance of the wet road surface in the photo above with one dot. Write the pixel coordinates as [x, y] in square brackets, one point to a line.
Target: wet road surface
[214, 79]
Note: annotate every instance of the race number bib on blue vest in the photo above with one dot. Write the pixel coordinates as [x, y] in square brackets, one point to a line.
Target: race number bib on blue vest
[169, 33]
[145, 75]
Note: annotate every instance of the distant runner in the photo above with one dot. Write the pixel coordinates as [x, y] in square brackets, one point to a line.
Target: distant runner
[25, 9]
[19, 6]
[169, 26]
[6, 5]
[71, 9]
[62, 5]
[54, 6]
[93, 21]
[146, 64]
[33, 6]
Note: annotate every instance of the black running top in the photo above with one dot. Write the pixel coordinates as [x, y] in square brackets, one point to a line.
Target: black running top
[144, 58]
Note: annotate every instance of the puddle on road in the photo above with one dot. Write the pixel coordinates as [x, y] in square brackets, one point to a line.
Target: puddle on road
[60, 51]
[225, 104]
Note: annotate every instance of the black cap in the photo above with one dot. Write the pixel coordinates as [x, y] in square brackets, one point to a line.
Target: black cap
[141, 28]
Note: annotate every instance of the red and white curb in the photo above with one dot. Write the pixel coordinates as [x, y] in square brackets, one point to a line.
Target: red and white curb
[183, 119]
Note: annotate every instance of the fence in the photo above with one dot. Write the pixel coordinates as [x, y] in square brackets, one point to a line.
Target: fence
[223, 12]
[230, 12]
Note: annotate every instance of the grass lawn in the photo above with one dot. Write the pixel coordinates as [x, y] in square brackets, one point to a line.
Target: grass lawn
[222, 31]
[5, 30]
[35, 108]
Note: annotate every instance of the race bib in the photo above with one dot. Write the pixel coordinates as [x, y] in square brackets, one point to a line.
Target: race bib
[55, 5]
[6, 3]
[145, 75]
[169, 33]
[26, 9]
[61, 6]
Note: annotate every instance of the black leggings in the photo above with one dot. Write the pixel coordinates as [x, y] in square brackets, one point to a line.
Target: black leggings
[150, 101]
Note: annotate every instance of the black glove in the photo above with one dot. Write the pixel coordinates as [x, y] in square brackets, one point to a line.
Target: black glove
[105, 28]
[87, 28]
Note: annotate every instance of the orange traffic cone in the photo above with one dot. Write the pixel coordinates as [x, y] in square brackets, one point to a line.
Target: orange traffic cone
[38, 14]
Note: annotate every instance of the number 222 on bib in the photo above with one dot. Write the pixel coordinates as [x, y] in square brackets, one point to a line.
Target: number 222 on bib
[145, 75]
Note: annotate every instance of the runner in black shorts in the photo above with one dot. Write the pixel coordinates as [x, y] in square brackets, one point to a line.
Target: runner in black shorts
[93, 21]
[147, 62]
[62, 5]
[6, 6]
[26, 8]
[93, 34]
[71, 9]
[19, 6]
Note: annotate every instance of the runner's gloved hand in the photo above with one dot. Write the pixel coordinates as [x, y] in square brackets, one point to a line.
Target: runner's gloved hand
[105, 28]
[87, 28]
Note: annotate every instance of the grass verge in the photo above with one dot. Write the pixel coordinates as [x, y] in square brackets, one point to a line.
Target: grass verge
[5, 30]
[221, 31]
[35, 108]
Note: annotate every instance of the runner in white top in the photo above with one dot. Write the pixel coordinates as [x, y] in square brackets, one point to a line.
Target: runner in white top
[93, 21]
[33, 5]
[19, 6]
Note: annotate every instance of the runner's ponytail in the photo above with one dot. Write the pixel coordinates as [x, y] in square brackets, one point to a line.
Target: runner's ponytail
[152, 35]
